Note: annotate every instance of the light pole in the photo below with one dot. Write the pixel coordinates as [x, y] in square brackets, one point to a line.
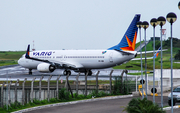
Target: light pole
[154, 23]
[161, 21]
[171, 18]
[179, 5]
[139, 25]
[145, 25]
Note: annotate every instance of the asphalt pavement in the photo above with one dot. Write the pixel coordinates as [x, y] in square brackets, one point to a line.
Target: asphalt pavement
[102, 106]
[17, 72]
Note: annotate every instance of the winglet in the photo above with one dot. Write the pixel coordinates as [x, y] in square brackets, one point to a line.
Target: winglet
[157, 53]
[27, 52]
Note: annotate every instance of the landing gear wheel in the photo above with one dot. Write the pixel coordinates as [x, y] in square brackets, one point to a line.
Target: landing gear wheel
[89, 73]
[67, 72]
[30, 71]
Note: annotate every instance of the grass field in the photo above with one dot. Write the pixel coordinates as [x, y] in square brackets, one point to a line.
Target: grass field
[10, 57]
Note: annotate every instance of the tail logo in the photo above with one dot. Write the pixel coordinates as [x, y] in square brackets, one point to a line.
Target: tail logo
[103, 52]
[131, 45]
[157, 53]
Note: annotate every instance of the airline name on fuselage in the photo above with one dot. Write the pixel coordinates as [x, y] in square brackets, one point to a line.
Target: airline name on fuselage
[42, 53]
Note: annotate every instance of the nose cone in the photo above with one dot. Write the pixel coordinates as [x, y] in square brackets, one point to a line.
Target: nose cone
[20, 62]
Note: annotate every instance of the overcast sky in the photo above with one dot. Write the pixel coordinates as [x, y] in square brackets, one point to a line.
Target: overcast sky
[77, 24]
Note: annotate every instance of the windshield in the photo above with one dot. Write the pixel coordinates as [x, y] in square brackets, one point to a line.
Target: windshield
[176, 90]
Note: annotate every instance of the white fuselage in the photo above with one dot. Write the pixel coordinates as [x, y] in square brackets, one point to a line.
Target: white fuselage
[85, 59]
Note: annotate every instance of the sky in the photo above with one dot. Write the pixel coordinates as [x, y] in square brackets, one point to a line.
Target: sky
[77, 24]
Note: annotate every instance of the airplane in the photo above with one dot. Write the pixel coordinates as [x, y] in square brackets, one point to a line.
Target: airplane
[83, 60]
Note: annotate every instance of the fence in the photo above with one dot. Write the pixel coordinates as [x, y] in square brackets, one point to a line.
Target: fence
[22, 93]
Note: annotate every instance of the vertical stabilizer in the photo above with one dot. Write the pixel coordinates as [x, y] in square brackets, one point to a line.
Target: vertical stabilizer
[128, 41]
[157, 53]
[27, 52]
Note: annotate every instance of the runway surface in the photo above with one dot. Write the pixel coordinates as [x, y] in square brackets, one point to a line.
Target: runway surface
[18, 72]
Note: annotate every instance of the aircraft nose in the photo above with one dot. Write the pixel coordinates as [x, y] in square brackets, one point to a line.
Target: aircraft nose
[19, 61]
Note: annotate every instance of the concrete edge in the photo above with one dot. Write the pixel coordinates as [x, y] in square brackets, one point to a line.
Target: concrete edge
[169, 108]
[73, 102]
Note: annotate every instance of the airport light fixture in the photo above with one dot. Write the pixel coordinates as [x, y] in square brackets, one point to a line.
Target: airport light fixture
[139, 25]
[171, 18]
[179, 5]
[154, 23]
[161, 21]
[145, 25]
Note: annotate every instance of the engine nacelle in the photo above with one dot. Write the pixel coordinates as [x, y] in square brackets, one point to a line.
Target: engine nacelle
[45, 67]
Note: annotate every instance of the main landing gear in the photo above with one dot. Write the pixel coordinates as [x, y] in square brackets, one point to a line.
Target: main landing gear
[67, 72]
[89, 73]
[30, 71]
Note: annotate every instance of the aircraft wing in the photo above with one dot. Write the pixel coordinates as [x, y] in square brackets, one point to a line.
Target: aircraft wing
[152, 51]
[154, 56]
[57, 64]
[71, 65]
[142, 58]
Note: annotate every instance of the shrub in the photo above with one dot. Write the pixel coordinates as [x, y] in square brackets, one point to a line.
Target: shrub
[67, 94]
[89, 96]
[13, 105]
[121, 87]
[61, 93]
[44, 101]
[64, 94]
[32, 103]
[101, 94]
[53, 100]
[136, 105]
[80, 97]
[94, 93]
[75, 95]
[19, 105]
[37, 102]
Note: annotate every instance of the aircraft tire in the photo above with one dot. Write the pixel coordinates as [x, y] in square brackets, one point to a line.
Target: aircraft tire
[89, 73]
[67, 72]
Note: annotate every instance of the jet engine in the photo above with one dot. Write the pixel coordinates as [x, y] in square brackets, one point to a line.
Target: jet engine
[45, 67]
